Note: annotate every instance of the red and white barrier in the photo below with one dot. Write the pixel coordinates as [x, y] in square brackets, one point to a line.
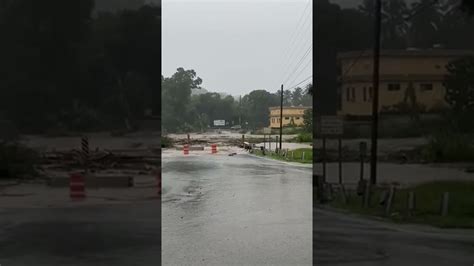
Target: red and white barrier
[214, 148]
[186, 149]
[77, 186]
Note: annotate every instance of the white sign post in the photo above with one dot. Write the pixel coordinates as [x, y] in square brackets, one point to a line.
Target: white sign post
[219, 123]
[331, 126]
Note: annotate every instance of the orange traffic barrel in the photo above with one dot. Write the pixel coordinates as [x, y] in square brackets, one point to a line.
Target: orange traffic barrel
[214, 148]
[186, 149]
[77, 186]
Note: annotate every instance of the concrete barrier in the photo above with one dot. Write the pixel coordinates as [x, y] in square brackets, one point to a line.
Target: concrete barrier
[95, 181]
[191, 148]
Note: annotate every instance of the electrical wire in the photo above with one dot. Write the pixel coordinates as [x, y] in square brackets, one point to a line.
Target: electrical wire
[301, 72]
[299, 63]
[299, 83]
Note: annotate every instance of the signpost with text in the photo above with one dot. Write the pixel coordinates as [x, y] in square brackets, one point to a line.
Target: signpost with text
[267, 131]
[329, 127]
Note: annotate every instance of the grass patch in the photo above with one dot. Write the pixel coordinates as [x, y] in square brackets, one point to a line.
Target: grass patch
[428, 204]
[292, 155]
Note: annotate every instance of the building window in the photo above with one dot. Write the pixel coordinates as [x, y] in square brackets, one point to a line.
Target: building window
[350, 94]
[365, 94]
[426, 87]
[287, 118]
[393, 87]
[297, 118]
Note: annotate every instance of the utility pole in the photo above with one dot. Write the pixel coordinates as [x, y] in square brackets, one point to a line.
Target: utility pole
[375, 100]
[281, 114]
[240, 111]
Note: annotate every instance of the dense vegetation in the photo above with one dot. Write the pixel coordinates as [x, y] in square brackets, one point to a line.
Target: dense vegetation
[183, 111]
[62, 67]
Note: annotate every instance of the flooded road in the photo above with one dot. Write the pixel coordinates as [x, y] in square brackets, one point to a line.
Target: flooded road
[342, 239]
[235, 210]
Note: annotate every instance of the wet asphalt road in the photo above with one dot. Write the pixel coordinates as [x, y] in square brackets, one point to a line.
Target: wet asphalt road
[125, 234]
[239, 210]
[221, 210]
[349, 240]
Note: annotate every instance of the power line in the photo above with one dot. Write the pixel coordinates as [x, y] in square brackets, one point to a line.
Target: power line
[301, 71]
[290, 66]
[354, 62]
[288, 57]
[294, 38]
[296, 52]
[301, 82]
[299, 63]
[296, 30]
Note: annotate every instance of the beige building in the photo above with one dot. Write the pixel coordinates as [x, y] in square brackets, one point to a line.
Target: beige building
[405, 76]
[291, 116]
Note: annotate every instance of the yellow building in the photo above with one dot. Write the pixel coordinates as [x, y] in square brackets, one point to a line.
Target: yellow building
[404, 75]
[291, 116]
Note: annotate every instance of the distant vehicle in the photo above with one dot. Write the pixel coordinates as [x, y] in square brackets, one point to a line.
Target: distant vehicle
[236, 127]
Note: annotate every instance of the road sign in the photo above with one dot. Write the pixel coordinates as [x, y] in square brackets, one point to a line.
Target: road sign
[330, 126]
[267, 130]
[219, 122]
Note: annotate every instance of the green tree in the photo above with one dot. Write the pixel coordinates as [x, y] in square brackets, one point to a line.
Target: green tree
[40, 67]
[308, 120]
[455, 31]
[297, 96]
[394, 26]
[215, 108]
[287, 98]
[459, 83]
[424, 29]
[176, 96]
[257, 104]
[307, 99]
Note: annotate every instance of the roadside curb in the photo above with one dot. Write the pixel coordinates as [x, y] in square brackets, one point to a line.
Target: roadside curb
[452, 233]
[282, 162]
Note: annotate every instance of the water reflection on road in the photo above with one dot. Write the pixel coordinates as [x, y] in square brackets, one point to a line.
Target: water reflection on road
[235, 210]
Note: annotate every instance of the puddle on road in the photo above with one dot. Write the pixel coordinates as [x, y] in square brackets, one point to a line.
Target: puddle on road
[187, 166]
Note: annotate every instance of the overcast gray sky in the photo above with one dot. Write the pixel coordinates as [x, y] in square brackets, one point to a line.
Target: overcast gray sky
[237, 46]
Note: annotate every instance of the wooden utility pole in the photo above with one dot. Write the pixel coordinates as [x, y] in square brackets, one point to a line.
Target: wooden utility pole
[240, 111]
[375, 100]
[281, 114]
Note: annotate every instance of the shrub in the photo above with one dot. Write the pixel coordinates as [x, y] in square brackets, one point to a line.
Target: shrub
[166, 142]
[449, 147]
[291, 130]
[16, 161]
[304, 137]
